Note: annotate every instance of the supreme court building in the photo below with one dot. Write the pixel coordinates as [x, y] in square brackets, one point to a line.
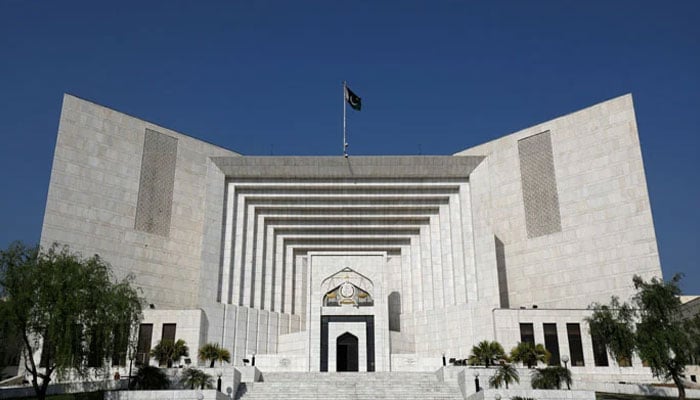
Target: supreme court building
[382, 263]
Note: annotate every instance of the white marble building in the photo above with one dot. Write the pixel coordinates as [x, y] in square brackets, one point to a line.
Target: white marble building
[364, 263]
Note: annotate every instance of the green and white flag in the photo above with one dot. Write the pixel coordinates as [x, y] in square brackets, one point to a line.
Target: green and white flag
[354, 100]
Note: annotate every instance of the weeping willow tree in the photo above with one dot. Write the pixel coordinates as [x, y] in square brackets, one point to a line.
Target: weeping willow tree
[652, 325]
[66, 307]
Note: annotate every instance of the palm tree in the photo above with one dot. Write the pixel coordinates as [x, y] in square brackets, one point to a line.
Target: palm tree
[550, 378]
[167, 351]
[194, 377]
[486, 353]
[214, 352]
[529, 354]
[506, 374]
[150, 378]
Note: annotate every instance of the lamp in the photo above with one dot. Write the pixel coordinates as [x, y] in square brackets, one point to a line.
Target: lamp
[565, 358]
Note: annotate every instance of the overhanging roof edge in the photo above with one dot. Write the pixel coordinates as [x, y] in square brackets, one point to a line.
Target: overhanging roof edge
[417, 167]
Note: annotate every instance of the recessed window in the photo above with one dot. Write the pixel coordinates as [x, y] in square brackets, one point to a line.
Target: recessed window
[551, 342]
[168, 332]
[600, 353]
[575, 347]
[121, 342]
[144, 344]
[96, 344]
[527, 333]
[624, 362]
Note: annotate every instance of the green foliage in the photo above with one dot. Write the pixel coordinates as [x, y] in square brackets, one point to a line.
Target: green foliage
[529, 354]
[64, 305]
[167, 351]
[150, 378]
[614, 325]
[194, 378]
[486, 353]
[11, 339]
[98, 395]
[550, 378]
[505, 375]
[662, 338]
[213, 352]
[692, 327]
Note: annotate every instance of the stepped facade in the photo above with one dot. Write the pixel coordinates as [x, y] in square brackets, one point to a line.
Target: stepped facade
[367, 264]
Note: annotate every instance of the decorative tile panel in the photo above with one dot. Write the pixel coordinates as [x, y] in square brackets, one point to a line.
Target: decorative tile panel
[539, 185]
[155, 201]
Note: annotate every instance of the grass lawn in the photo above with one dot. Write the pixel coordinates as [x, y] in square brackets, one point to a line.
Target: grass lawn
[69, 396]
[615, 396]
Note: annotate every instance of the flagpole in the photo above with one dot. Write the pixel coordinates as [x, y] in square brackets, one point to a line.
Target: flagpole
[345, 142]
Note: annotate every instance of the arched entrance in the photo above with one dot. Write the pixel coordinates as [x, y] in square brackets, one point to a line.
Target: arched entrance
[346, 353]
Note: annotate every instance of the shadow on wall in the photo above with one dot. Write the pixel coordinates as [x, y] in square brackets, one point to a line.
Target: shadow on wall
[395, 311]
[502, 275]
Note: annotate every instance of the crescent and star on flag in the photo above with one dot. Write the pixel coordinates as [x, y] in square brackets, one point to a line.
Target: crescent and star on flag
[349, 97]
[354, 100]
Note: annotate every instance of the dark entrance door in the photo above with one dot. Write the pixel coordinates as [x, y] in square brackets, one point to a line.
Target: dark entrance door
[346, 353]
[367, 320]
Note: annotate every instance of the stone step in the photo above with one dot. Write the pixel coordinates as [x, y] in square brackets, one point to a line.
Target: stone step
[346, 376]
[339, 385]
[348, 385]
[353, 396]
[340, 382]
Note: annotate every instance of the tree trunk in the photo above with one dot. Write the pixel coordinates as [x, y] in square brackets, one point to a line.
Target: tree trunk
[41, 394]
[212, 364]
[34, 370]
[37, 389]
[679, 384]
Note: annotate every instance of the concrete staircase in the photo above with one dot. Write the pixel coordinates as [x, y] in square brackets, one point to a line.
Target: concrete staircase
[348, 386]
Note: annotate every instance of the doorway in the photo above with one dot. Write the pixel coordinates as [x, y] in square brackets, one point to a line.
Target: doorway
[361, 327]
[346, 353]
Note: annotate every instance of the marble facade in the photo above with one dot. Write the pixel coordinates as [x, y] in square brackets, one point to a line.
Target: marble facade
[527, 229]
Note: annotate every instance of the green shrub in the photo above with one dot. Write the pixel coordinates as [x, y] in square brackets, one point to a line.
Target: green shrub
[550, 378]
[196, 378]
[150, 378]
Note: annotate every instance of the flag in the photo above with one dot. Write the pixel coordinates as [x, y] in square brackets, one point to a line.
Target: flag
[354, 100]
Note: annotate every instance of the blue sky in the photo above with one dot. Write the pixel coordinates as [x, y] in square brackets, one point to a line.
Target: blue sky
[264, 77]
